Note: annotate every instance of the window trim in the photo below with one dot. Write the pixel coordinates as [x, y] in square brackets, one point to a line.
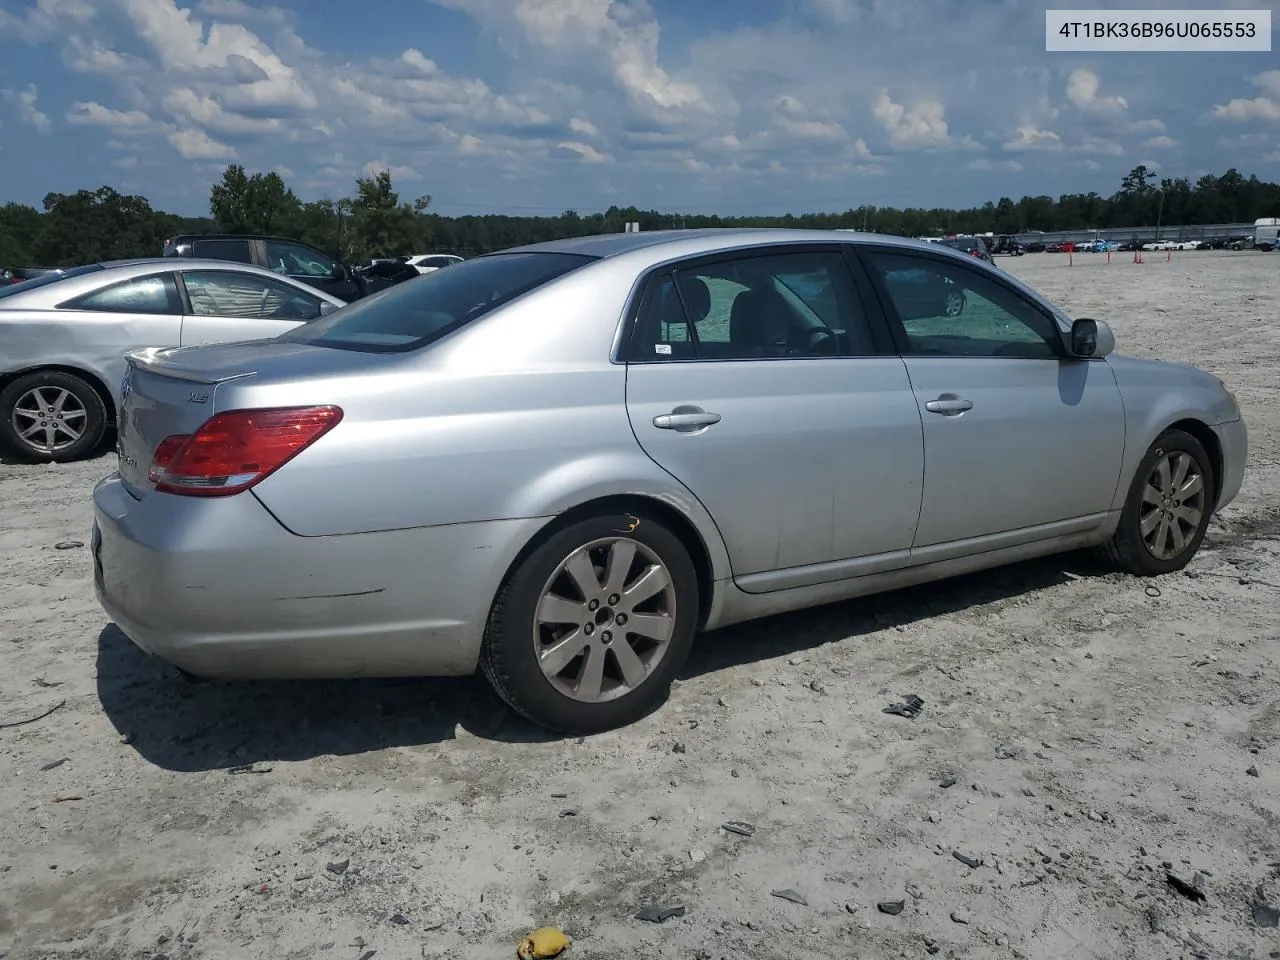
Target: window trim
[266, 258]
[76, 303]
[189, 311]
[626, 347]
[250, 242]
[889, 310]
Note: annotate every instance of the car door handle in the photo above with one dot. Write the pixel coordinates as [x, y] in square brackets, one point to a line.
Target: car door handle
[685, 420]
[949, 405]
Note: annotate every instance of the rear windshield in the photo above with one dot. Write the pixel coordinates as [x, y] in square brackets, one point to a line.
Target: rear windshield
[419, 311]
[47, 278]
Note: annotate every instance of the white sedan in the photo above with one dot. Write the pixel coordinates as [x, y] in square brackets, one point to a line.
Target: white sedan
[427, 262]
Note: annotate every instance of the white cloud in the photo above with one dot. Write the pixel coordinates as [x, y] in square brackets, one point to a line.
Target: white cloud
[1030, 137]
[198, 145]
[922, 126]
[185, 105]
[1098, 146]
[93, 114]
[1148, 126]
[583, 127]
[375, 167]
[586, 152]
[1160, 143]
[1264, 108]
[1083, 87]
[24, 102]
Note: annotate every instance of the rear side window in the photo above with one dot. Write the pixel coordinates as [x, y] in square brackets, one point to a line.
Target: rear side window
[411, 315]
[154, 294]
[236, 251]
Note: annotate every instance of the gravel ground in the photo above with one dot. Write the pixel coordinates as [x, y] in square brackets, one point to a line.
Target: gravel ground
[1099, 730]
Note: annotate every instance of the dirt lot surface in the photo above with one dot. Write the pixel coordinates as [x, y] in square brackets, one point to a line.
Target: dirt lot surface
[1099, 729]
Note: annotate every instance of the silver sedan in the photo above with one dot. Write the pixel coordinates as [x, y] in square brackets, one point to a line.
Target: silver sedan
[560, 462]
[63, 337]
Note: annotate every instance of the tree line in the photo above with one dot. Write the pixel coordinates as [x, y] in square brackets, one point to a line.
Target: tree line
[103, 224]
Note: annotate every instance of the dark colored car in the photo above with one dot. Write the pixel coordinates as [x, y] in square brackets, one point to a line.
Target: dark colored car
[1129, 245]
[1035, 246]
[299, 261]
[974, 246]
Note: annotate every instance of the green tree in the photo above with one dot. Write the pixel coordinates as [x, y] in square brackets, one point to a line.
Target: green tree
[95, 225]
[19, 227]
[382, 226]
[261, 203]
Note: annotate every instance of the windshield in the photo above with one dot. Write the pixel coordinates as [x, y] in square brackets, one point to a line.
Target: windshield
[419, 311]
[967, 244]
[47, 278]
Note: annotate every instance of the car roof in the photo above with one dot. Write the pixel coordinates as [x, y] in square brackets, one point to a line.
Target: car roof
[187, 237]
[706, 240]
[118, 270]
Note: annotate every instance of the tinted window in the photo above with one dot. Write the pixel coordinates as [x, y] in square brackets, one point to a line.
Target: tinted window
[437, 261]
[216, 293]
[154, 294]
[953, 310]
[298, 261]
[235, 250]
[47, 278]
[411, 315]
[786, 305]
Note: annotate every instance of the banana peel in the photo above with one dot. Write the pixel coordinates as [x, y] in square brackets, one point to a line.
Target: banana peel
[543, 943]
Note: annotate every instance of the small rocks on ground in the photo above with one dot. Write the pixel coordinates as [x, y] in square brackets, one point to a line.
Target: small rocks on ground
[570, 812]
[934, 816]
[947, 782]
[1193, 889]
[338, 867]
[738, 827]
[968, 861]
[697, 856]
[817, 686]
[961, 916]
[1006, 751]
[1253, 771]
[678, 748]
[891, 907]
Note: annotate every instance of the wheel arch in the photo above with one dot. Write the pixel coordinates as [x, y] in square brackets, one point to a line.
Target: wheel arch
[1212, 446]
[93, 379]
[645, 506]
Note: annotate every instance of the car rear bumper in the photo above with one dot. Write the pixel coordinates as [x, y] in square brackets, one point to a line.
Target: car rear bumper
[218, 587]
[1233, 438]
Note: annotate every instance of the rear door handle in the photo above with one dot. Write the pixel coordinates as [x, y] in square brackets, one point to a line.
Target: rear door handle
[685, 420]
[949, 405]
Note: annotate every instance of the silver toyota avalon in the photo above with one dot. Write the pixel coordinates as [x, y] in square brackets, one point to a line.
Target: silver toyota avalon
[559, 463]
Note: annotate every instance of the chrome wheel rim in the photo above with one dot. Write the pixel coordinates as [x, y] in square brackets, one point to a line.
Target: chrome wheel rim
[605, 619]
[49, 419]
[954, 304]
[1173, 502]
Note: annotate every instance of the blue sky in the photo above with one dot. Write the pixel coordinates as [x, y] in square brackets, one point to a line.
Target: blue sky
[536, 106]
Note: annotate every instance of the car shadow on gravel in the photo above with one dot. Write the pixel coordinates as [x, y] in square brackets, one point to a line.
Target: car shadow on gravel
[188, 726]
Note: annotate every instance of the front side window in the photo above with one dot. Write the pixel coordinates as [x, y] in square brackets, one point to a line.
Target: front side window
[294, 260]
[953, 310]
[154, 294]
[411, 315]
[760, 306]
[237, 251]
[217, 293]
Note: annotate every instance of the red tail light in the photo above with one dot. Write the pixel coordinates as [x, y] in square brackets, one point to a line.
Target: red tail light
[234, 450]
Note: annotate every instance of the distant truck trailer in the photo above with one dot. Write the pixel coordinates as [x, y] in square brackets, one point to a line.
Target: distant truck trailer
[1266, 233]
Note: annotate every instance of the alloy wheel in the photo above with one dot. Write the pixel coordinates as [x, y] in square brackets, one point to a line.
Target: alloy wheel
[605, 619]
[49, 419]
[1173, 503]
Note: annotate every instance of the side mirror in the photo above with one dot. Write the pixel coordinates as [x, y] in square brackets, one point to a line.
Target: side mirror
[1091, 338]
[340, 272]
[326, 308]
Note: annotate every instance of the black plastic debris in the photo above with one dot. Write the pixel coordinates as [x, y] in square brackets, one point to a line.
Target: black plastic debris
[338, 868]
[656, 913]
[910, 707]
[1192, 890]
[740, 828]
[69, 545]
[891, 907]
[792, 895]
[54, 765]
[400, 920]
[968, 861]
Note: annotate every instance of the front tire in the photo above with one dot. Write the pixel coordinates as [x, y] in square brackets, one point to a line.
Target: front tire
[589, 630]
[1168, 508]
[51, 417]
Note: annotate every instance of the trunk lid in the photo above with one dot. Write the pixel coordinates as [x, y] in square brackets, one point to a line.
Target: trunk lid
[168, 391]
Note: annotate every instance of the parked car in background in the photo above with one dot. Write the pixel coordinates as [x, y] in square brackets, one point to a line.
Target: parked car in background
[292, 259]
[426, 262]
[974, 246]
[7, 277]
[1160, 245]
[624, 440]
[63, 337]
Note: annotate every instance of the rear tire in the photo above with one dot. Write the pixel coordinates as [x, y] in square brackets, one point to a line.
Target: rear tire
[1168, 508]
[51, 417]
[590, 629]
